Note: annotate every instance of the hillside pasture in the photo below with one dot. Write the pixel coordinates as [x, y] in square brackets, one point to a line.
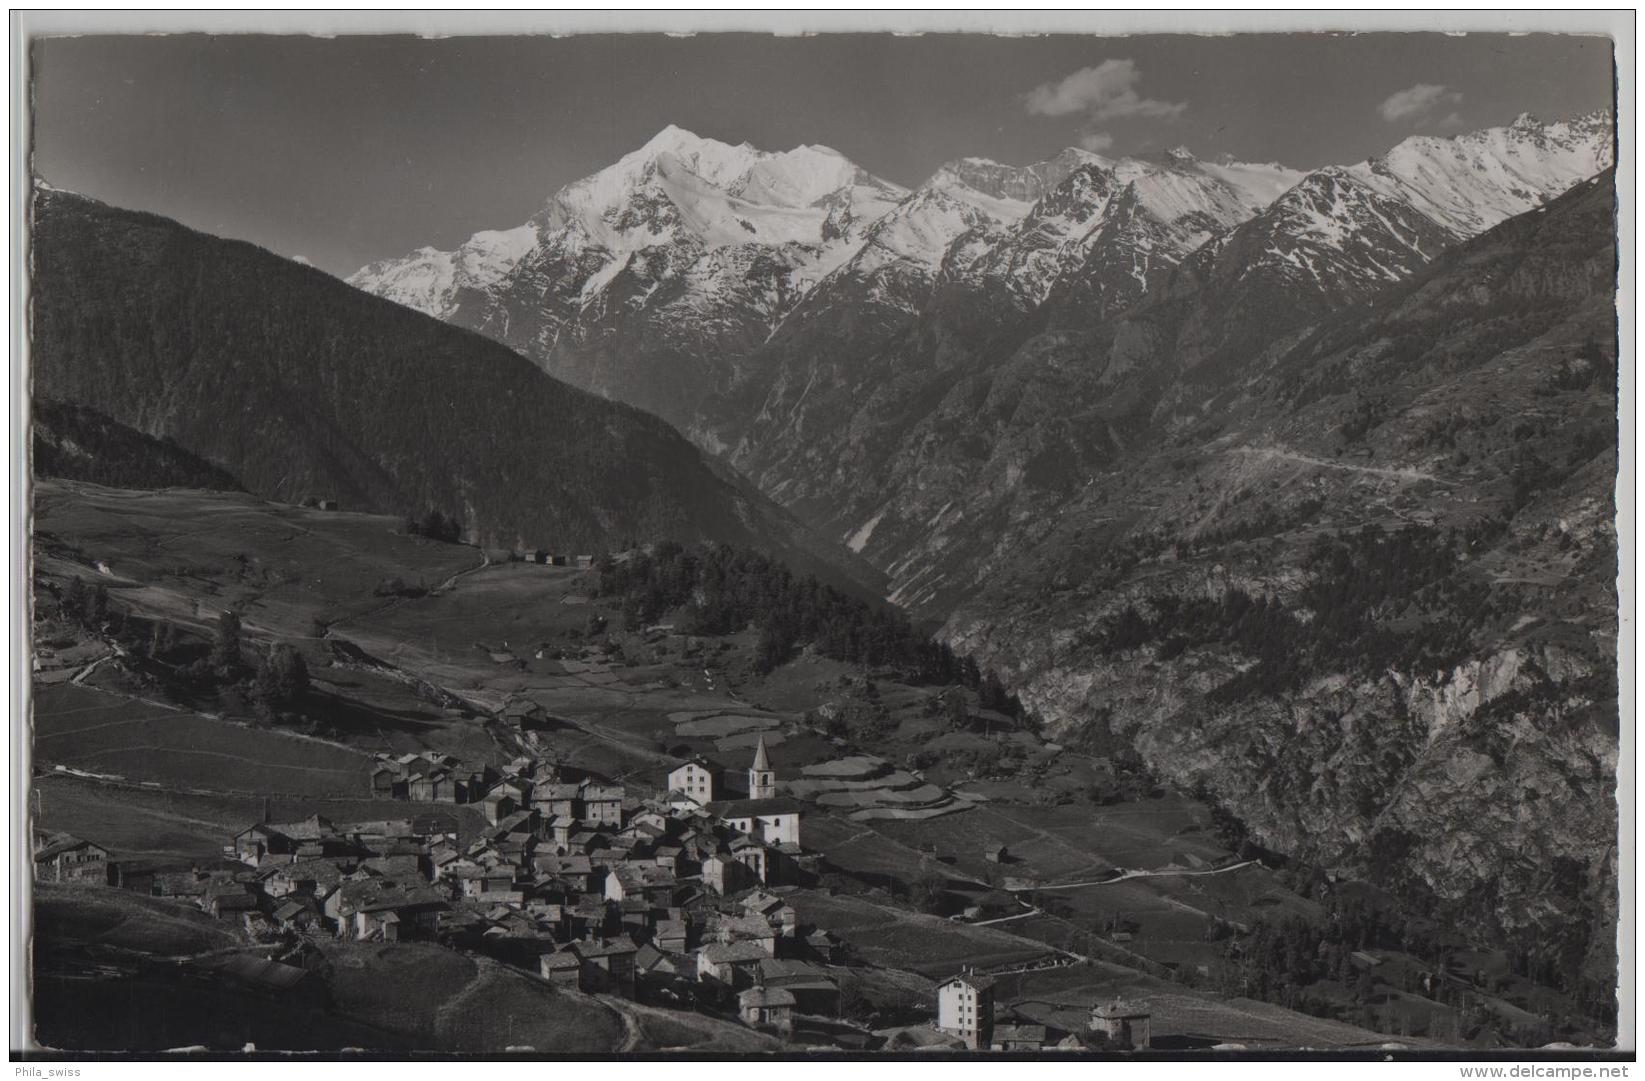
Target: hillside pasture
[174, 827]
[897, 938]
[104, 733]
[185, 555]
[69, 916]
[436, 999]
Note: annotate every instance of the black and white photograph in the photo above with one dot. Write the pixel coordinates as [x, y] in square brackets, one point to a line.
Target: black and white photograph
[572, 543]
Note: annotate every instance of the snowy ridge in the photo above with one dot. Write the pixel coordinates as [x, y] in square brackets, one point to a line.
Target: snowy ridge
[428, 280]
[1373, 223]
[678, 189]
[663, 278]
[1474, 181]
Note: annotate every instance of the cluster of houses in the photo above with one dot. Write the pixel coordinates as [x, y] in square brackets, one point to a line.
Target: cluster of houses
[967, 1018]
[673, 899]
[669, 897]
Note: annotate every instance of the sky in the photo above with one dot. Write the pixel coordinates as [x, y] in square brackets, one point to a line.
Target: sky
[347, 150]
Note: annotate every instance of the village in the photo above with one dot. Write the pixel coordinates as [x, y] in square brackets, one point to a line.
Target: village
[673, 899]
[511, 795]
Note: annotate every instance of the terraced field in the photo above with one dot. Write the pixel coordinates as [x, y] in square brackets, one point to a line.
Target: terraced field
[865, 787]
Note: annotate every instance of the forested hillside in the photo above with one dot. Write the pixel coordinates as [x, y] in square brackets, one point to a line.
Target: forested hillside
[302, 386]
[77, 443]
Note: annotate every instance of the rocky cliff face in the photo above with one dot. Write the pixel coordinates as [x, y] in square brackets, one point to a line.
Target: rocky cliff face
[1415, 500]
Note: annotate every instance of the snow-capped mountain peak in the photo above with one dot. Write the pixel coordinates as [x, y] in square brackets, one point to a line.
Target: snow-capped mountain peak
[679, 190]
[1470, 182]
[1345, 230]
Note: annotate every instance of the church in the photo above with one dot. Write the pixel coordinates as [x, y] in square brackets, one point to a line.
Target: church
[772, 818]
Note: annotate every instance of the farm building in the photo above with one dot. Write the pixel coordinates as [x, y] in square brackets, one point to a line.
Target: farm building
[777, 913]
[523, 713]
[607, 965]
[996, 853]
[228, 899]
[772, 1006]
[1018, 1038]
[500, 804]
[814, 990]
[672, 936]
[437, 787]
[735, 964]
[388, 781]
[1123, 1023]
[563, 969]
[63, 857]
[376, 908]
[826, 947]
[602, 804]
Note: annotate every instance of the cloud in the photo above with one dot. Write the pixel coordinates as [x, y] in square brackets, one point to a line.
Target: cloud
[1096, 141]
[1417, 103]
[1105, 92]
[301, 259]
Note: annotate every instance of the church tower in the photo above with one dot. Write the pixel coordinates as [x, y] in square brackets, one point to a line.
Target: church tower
[762, 779]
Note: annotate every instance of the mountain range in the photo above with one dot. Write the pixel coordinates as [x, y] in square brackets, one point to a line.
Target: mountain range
[1298, 485]
[1134, 432]
[877, 359]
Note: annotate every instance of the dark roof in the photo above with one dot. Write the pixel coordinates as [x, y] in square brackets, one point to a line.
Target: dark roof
[980, 983]
[312, 828]
[288, 910]
[734, 952]
[55, 844]
[765, 996]
[587, 948]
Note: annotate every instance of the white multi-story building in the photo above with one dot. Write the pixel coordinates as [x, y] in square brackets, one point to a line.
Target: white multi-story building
[965, 1008]
[694, 779]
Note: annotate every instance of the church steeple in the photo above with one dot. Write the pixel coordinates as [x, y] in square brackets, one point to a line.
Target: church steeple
[762, 779]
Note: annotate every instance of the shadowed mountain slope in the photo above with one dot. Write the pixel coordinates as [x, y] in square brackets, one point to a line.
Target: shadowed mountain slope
[299, 385]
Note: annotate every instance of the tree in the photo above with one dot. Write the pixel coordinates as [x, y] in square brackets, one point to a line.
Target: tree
[225, 647]
[438, 526]
[74, 600]
[99, 609]
[926, 892]
[282, 677]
